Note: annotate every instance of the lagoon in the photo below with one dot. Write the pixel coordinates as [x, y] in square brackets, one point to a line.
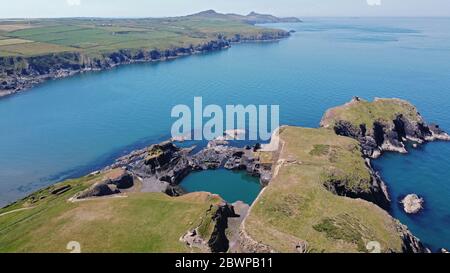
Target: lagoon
[232, 186]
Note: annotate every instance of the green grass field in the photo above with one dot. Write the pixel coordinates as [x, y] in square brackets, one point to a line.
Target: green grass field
[140, 222]
[95, 35]
[296, 206]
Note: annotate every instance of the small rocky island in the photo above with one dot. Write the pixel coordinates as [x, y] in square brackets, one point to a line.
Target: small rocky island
[321, 193]
[412, 203]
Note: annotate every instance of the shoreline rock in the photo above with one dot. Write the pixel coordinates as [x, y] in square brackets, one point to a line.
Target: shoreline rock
[411, 244]
[412, 203]
[162, 167]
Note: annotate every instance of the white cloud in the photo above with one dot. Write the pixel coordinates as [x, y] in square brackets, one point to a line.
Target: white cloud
[73, 3]
[374, 2]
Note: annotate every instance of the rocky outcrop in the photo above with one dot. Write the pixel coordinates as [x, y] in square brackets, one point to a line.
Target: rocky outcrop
[219, 241]
[124, 181]
[61, 190]
[412, 203]
[108, 187]
[163, 166]
[225, 220]
[98, 190]
[376, 193]
[393, 123]
[411, 244]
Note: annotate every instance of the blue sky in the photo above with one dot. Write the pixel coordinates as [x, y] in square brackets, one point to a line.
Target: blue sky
[159, 8]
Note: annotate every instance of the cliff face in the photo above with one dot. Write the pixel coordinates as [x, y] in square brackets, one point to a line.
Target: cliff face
[218, 241]
[161, 167]
[374, 191]
[20, 73]
[382, 125]
[314, 202]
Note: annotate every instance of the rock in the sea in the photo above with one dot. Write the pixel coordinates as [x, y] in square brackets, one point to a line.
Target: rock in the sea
[412, 203]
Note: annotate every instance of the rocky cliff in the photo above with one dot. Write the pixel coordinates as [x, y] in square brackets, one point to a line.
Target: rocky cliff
[161, 167]
[299, 211]
[382, 125]
[19, 73]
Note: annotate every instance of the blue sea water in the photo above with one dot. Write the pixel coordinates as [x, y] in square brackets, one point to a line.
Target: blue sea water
[65, 128]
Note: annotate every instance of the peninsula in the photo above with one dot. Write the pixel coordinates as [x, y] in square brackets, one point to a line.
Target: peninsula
[321, 194]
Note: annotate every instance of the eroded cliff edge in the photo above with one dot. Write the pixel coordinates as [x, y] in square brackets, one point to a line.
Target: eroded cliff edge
[384, 125]
[299, 211]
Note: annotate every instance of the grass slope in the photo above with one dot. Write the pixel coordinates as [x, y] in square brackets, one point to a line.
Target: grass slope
[296, 207]
[140, 222]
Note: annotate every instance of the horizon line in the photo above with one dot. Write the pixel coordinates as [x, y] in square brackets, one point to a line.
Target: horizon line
[163, 17]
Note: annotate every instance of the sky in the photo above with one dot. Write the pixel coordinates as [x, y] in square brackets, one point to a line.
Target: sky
[162, 8]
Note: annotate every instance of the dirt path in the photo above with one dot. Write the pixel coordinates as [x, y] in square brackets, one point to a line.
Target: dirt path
[16, 210]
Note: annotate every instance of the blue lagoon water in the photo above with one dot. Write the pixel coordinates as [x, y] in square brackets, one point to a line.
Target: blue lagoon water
[68, 127]
[230, 185]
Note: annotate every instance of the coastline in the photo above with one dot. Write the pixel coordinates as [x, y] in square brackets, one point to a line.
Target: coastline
[173, 58]
[26, 80]
[175, 172]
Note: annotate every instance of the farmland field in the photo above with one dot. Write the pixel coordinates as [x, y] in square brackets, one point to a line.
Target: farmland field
[94, 36]
[13, 41]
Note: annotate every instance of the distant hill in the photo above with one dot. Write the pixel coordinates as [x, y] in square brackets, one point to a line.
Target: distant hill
[256, 18]
[251, 18]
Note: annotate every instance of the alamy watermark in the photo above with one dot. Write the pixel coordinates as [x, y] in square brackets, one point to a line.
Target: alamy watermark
[237, 122]
[374, 2]
[373, 247]
[74, 247]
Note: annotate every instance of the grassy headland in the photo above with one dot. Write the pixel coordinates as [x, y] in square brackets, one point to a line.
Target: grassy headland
[297, 207]
[361, 112]
[136, 222]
